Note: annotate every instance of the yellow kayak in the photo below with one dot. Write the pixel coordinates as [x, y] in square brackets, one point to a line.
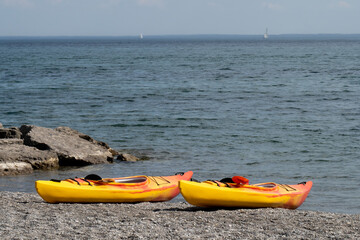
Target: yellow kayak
[127, 189]
[239, 194]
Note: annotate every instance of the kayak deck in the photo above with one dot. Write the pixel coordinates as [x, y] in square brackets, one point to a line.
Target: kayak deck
[233, 195]
[127, 189]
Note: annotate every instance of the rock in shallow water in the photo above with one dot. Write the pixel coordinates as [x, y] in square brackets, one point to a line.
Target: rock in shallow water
[127, 157]
[15, 168]
[32, 147]
[16, 158]
[72, 150]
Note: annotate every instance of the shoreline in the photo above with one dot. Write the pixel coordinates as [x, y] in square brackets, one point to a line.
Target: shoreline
[27, 216]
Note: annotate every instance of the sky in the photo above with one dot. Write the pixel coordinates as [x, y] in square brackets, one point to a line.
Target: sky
[173, 17]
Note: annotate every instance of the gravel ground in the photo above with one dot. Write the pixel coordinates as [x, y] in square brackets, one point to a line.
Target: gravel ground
[27, 216]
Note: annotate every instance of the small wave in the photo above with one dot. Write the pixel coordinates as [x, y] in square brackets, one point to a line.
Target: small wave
[335, 177]
[311, 130]
[317, 161]
[301, 177]
[119, 141]
[225, 69]
[123, 125]
[289, 69]
[15, 112]
[143, 120]
[195, 119]
[331, 99]
[252, 163]
[279, 85]
[119, 125]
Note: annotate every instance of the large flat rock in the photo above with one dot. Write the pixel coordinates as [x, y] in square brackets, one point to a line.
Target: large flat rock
[32, 147]
[15, 168]
[16, 158]
[70, 147]
[73, 132]
[12, 132]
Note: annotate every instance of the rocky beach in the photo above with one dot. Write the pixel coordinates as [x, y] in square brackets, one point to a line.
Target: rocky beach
[27, 216]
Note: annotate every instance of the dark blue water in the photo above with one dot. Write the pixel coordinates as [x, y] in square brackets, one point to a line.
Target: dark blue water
[284, 110]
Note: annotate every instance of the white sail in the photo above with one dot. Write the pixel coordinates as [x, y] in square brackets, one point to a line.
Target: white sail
[266, 35]
[141, 36]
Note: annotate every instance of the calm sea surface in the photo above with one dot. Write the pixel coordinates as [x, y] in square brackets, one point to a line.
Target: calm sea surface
[285, 110]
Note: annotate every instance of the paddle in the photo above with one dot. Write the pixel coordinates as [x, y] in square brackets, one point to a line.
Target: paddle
[240, 180]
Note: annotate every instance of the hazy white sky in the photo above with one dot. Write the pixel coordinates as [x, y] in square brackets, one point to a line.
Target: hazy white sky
[163, 17]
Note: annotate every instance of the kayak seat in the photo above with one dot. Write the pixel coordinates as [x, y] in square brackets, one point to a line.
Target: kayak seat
[131, 180]
[93, 177]
[226, 180]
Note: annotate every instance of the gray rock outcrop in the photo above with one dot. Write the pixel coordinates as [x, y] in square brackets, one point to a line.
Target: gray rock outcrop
[17, 158]
[32, 147]
[71, 149]
[70, 131]
[127, 157]
[12, 132]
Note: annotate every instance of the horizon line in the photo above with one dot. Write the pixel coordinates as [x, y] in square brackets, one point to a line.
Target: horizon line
[174, 35]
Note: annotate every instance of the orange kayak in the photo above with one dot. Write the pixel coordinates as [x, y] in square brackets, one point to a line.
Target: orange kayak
[239, 194]
[126, 189]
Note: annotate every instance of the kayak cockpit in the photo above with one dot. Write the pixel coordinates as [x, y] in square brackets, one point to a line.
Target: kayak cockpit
[265, 185]
[125, 180]
[139, 179]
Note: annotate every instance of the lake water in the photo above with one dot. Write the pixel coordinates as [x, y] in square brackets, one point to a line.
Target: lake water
[285, 109]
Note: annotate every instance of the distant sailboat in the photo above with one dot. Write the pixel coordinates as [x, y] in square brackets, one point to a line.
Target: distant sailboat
[266, 35]
[141, 36]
